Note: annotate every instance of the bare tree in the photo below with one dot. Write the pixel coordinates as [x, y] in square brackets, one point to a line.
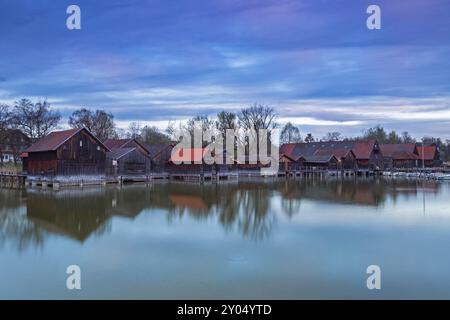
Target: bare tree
[82, 118]
[5, 122]
[258, 117]
[309, 138]
[407, 138]
[226, 120]
[332, 136]
[290, 134]
[100, 123]
[5, 116]
[201, 123]
[134, 130]
[170, 131]
[35, 119]
[153, 136]
[254, 118]
[376, 133]
[393, 137]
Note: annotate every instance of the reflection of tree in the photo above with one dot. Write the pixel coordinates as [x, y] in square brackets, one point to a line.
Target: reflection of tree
[291, 206]
[255, 220]
[14, 226]
[26, 217]
[354, 191]
[291, 196]
[244, 207]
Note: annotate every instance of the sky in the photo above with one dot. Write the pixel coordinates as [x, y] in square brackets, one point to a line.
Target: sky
[314, 61]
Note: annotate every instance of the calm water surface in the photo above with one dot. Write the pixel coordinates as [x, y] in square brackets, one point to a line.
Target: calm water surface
[279, 239]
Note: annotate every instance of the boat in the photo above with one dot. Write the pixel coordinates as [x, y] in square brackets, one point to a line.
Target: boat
[444, 177]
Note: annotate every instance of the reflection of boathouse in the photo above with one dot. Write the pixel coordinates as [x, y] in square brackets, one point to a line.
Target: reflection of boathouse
[76, 214]
[242, 206]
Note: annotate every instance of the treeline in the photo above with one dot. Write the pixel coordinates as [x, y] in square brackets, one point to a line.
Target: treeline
[37, 119]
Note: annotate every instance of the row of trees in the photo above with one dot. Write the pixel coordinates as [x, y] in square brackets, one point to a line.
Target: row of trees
[291, 134]
[33, 119]
[37, 119]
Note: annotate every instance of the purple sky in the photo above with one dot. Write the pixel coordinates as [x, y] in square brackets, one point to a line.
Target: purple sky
[314, 61]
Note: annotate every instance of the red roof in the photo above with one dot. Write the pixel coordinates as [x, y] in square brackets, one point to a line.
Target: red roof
[361, 149]
[116, 143]
[427, 152]
[400, 151]
[55, 139]
[288, 149]
[188, 155]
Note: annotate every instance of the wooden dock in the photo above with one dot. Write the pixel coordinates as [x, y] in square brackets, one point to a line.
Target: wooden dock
[201, 177]
[12, 180]
[20, 180]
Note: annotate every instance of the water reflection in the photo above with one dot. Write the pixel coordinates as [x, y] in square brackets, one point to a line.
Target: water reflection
[250, 208]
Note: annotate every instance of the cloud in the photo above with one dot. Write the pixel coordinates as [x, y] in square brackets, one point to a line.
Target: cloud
[312, 60]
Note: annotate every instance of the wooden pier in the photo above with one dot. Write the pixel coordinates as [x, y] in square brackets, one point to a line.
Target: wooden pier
[12, 180]
[327, 172]
[20, 180]
[201, 177]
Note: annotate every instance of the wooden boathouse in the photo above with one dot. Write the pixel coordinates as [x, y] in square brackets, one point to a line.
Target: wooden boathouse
[430, 156]
[128, 164]
[190, 164]
[66, 156]
[126, 143]
[401, 155]
[354, 157]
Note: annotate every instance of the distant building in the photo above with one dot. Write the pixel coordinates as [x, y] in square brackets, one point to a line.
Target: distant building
[401, 155]
[345, 157]
[73, 152]
[160, 155]
[288, 164]
[12, 143]
[351, 155]
[326, 162]
[192, 161]
[128, 162]
[430, 155]
[189, 160]
[126, 143]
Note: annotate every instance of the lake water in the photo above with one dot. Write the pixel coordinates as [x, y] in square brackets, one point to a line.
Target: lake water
[290, 239]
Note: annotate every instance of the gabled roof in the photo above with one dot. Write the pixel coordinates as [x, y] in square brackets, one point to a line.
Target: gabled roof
[288, 149]
[55, 139]
[319, 159]
[188, 155]
[124, 143]
[287, 156]
[427, 152]
[361, 149]
[338, 153]
[117, 153]
[155, 149]
[399, 150]
[164, 153]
